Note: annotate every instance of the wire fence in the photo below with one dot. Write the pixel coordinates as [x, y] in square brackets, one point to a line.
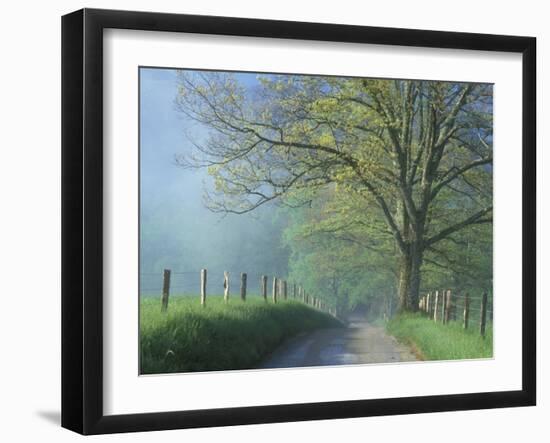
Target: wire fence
[188, 283]
[470, 310]
[226, 284]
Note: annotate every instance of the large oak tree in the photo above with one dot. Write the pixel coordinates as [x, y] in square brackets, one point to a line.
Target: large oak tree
[415, 156]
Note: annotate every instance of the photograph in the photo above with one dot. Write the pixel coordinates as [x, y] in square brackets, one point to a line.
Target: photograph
[291, 220]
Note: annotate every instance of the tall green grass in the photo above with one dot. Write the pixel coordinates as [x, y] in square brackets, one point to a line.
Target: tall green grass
[436, 341]
[189, 337]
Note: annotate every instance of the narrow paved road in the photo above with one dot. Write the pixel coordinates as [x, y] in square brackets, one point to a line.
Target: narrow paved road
[359, 343]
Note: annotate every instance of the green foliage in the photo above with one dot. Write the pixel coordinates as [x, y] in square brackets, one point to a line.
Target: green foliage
[436, 341]
[463, 263]
[189, 337]
[393, 178]
[338, 253]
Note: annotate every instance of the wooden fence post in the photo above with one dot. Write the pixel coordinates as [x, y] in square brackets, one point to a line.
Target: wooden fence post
[203, 287]
[466, 311]
[226, 286]
[263, 285]
[448, 306]
[483, 314]
[428, 307]
[436, 303]
[284, 290]
[243, 286]
[165, 290]
[443, 307]
[274, 294]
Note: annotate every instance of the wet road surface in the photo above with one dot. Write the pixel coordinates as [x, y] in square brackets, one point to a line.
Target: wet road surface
[359, 343]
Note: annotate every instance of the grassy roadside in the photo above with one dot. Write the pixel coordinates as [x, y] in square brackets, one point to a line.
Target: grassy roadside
[435, 341]
[219, 337]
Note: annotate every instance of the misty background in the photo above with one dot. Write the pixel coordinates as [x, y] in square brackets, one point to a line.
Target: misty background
[177, 231]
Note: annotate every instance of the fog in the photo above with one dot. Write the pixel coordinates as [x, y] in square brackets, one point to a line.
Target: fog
[177, 231]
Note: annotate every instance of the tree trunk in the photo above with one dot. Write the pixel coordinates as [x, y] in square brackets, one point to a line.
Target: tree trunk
[414, 289]
[409, 278]
[403, 285]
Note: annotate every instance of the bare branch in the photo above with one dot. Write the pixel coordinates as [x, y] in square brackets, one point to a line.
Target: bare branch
[473, 219]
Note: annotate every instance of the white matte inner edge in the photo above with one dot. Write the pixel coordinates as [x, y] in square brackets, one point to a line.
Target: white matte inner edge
[126, 392]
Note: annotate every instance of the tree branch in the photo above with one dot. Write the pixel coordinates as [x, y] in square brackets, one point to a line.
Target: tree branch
[473, 219]
[458, 172]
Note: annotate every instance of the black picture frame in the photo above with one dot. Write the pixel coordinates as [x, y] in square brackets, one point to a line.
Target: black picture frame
[82, 216]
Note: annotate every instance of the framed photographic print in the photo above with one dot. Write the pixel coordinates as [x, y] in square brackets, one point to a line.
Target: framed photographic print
[270, 221]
